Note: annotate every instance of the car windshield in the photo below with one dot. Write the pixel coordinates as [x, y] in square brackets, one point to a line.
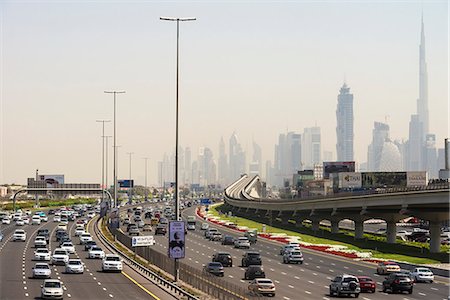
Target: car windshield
[243, 239]
[365, 279]
[253, 254]
[349, 279]
[42, 267]
[52, 284]
[60, 252]
[296, 253]
[265, 281]
[113, 258]
[42, 251]
[214, 265]
[96, 249]
[74, 262]
[424, 270]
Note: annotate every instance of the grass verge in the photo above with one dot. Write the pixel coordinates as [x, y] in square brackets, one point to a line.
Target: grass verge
[47, 203]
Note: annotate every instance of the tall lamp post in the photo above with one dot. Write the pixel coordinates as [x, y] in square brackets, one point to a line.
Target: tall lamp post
[114, 146]
[145, 182]
[106, 137]
[177, 204]
[130, 194]
[103, 155]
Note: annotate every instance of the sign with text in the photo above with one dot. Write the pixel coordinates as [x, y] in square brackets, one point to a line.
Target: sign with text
[205, 201]
[176, 239]
[126, 183]
[144, 240]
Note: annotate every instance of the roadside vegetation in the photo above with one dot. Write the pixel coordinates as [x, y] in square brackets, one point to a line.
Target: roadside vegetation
[47, 203]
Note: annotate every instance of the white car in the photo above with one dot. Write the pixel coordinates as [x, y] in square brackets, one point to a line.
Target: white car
[422, 274]
[52, 289]
[6, 221]
[26, 220]
[28, 212]
[293, 256]
[44, 218]
[42, 254]
[91, 214]
[57, 218]
[75, 266]
[96, 252]
[19, 235]
[42, 270]
[20, 222]
[60, 256]
[40, 241]
[242, 242]
[64, 220]
[36, 220]
[286, 248]
[79, 231]
[112, 262]
[85, 237]
[62, 226]
[17, 216]
[68, 246]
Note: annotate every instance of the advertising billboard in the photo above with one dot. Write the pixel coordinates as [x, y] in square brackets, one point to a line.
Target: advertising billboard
[350, 180]
[416, 178]
[125, 183]
[52, 180]
[142, 241]
[176, 239]
[383, 179]
[330, 167]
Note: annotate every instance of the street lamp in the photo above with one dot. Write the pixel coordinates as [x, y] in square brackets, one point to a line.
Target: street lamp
[114, 146]
[177, 206]
[103, 155]
[106, 162]
[145, 186]
[130, 194]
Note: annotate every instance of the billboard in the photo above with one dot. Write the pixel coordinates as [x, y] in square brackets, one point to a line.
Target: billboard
[142, 241]
[176, 239]
[383, 179]
[330, 167]
[52, 180]
[350, 180]
[125, 183]
[416, 178]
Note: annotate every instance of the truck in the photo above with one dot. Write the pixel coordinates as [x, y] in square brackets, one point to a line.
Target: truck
[191, 222]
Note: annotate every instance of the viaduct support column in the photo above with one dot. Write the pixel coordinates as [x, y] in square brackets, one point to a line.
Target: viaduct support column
[435, 237]
[391, 231]
[315, 225]
[334, 226]
[359, 229]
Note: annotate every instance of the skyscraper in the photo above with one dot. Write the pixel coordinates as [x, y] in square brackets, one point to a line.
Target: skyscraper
[311, 147]
[237, 158]
[223, 164]
[287, 157]
[380, 134]
[344, 128]
[422, 102]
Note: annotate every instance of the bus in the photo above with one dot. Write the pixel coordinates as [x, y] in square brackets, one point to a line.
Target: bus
[191, 223]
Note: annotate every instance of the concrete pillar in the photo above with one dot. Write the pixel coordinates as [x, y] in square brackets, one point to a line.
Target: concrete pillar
[359, 229]
[315, 225]
[391, 231]
[335, 226]
[435, 237]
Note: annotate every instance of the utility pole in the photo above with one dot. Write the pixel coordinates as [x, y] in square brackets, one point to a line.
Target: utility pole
[130, 191]
[103, 155]
[145, 187]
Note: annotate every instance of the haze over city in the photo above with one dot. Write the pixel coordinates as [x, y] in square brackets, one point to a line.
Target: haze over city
[257, 69]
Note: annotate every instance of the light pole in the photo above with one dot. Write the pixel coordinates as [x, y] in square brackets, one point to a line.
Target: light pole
[103, 155]
[114, 146]
[116, 150]
[145, 186]
[177, 206]
[106, 161]
[130, 194]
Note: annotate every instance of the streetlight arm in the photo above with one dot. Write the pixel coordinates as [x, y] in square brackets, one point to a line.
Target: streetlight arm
[177, 19]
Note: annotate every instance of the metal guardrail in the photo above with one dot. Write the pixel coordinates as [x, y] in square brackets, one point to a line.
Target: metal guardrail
[155, 278]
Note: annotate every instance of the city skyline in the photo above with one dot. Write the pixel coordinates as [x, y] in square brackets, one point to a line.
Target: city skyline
[65, 108]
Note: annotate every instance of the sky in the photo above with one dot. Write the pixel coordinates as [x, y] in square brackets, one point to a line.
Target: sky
[256, 68]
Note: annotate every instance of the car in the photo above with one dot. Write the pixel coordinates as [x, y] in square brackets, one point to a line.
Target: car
[85, 237]
[367, 284]
[19, 235]
[286, 248]
[1, 236]
[64, 220]
[40, 242]
[163, 221]
[215, 236]
[263, 286]
[134, 230]
[224, 258]
[26, 220]
[89, 244]
[96, 252]
[422, 274]
[387, 267]
[147, 227]
[126, 221]
[42, 270]
[42, 254]
[214, 268]
[227, 240]
[91, 214]
[293, 256]
[68, 246]
[130, 225]
[36, 220]
[398, 282]
[253, 272]
[209, 231]
[44, 232]
[44, 218]
[242, 242]
[57, 218]
[62, 226]
[160, 229]
[251, 258]
[79, 231]
[140, 224]
[74, 266]
[345, 285]
[20, 222]
[112, 262]
[52, 289]
[51, 212]
[17, 216]
[64, 239]
[60, 256]
[6, 221]
[60, 233]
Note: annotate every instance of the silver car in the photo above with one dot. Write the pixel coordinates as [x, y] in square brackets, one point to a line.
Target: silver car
[42, 270]
[75, 266]
[52, 289]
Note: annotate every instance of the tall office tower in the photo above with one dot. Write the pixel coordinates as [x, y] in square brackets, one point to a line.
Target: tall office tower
[380, 134]
[256, 164]
[269, 173]
[430, 156]
[223, 164]
[187, 166]
[311, 147]
[237, 159]
[422, 102]
[415, 145]
[344, 128]
[287, 157]
[206, 167]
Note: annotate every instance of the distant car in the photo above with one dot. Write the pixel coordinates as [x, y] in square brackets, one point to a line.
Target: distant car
[204, 226]
[40, 242]
[398, 282]
[253, 272]
[262, 286]
[62, 226]
[134, 230]
[20, 222]
[85, 237]
[6, 221]
[227, 240]
[112, 262]
[367, 284]
[75, 266]
[42, 254]
[60, 256]
[26, 220]
[387, 267]
[42, 270]
[36, 220]
[96, 252]
[215, 236]
[44, 232]
[242, 242]
[89, 244]
[224, 258]
[160, 229]
[57, 218]
[19, 235]
[69, 247]
[286, 248]
[422, 274]
[345, 285]
[251, 258]
[52, 289]
[147, 227]
[215, 268]
[79, 231]
[293, 256]
[209, 231]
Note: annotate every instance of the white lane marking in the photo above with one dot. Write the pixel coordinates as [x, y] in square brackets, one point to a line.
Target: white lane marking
[94, 278]
[360, 271]
[24, 287]
[286, 298]
[332, 271]
[296, 277]
[24, 277]
[345, 267]
[315, 274]
[111, 295]
[333, 264]
[231, 276]
[99, 283]
[312, 282]
[434, 289]
[291, 286]
[326, 298]
[318, 267]
[91, 274]
[276, 281]
[69, 295]
[104, 289]
[196, 261]
[64, 288]
[365, 298]
[26, 295]
[422, 294]
[283, 273]
[24, 282]
[273, 270]
[308, 292]
[242, 281]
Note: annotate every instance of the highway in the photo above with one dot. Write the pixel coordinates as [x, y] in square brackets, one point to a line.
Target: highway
[16, 269]
[308, 281]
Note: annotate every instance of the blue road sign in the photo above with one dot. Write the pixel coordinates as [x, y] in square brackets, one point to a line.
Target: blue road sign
[205, 201]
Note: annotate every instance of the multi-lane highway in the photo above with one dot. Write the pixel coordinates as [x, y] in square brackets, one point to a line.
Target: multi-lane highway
[16, 269]
[307, 281]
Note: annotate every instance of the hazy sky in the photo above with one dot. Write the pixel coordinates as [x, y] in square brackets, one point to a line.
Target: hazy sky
[255, 68]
